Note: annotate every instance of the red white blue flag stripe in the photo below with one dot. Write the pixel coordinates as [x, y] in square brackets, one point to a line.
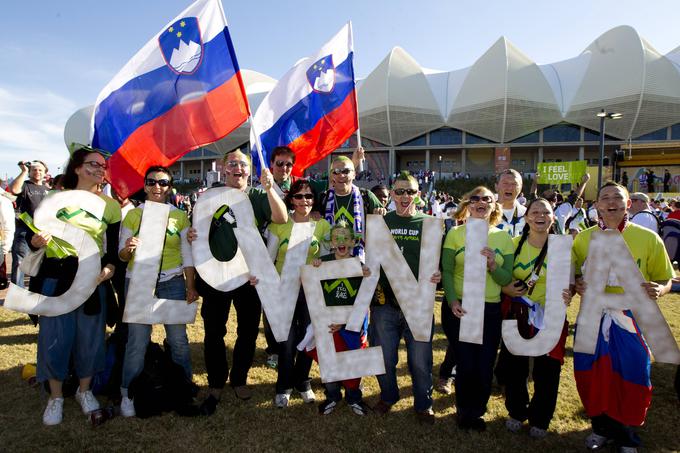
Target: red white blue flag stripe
[312, 109]
[181, 91]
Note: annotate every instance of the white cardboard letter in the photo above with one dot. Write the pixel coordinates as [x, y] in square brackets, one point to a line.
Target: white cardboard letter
[415, 297]
[141, 305]
[611, 256]
[337, 366]
[89, 261]
[474, 276]
[559, 260]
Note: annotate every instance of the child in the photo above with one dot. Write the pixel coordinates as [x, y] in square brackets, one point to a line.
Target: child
[343, 292]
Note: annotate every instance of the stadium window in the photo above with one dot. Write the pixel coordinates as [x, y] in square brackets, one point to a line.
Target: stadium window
[675, 132]
[471, 139]
[657, 135]
[418, 141]
[446, 136]
[529, 138]
[562, 133]
[594, 136]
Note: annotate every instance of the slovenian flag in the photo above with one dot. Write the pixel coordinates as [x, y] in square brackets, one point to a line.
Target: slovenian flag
[181, 91]
[313, 108]
[616, 379]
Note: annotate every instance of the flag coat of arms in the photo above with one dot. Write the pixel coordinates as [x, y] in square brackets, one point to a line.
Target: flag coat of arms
[313, 108]
[181, 91]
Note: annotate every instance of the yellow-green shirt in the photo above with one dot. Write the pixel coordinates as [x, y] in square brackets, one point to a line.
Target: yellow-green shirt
[499, 241]
[322, 230]
[524, 264]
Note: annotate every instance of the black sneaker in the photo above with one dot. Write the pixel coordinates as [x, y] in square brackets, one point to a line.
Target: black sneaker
[327, 407]
[474, 424]
[209, 405]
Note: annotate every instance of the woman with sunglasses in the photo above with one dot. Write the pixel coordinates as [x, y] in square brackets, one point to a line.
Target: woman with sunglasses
[475, 362]
[293, 365]
[528, 290]
[76, 337]
[175, 281]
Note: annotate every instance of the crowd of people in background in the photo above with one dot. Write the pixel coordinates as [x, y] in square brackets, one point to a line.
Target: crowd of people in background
[336, 207]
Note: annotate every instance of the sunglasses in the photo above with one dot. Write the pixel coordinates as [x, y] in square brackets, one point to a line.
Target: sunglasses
[150, 182]
[96, 165]
[478, 198]
[342, 171]
[237, 163]
[281, 163]
[306, 196]
[400, 192]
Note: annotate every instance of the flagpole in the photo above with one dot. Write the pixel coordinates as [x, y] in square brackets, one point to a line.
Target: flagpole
[356, 100]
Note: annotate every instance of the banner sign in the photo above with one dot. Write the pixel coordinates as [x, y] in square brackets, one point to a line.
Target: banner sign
[556, 173]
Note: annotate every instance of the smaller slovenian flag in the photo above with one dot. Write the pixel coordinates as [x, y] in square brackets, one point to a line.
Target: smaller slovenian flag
[313, 108]
[181, 91]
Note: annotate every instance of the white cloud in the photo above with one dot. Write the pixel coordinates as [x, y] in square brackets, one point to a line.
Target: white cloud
[32, 127]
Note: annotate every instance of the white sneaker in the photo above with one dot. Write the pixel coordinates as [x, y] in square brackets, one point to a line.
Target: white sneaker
[281, 400]
[308, 396]
[537, 433]
[127, 407]
[87, 401]
[514, 426]
[54, 412]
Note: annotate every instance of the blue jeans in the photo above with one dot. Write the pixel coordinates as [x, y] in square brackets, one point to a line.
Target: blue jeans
[19, 250]
[71, 335]
[139, 336]
[386, 329]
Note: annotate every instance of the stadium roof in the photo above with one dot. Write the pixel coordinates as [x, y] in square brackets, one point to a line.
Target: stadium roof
[505, 95]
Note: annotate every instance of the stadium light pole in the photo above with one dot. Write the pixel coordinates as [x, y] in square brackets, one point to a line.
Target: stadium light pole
[604, 115]
[440, 168]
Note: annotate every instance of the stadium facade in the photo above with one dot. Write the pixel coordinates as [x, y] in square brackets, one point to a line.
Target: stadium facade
[506, 110]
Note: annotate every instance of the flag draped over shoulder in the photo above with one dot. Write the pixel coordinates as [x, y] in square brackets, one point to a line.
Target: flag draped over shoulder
[313, 108]
[182, 90]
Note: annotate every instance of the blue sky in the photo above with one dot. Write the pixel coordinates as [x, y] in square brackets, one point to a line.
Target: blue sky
[58, 55]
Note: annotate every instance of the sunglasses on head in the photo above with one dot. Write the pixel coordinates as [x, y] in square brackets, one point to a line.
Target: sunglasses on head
[237, 163]
[478, 198]
[306, 196]
[161, 182]
[281, 163]
[401, 192]
[342, 171]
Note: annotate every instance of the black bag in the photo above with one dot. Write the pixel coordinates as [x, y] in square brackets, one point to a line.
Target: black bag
[161, 386]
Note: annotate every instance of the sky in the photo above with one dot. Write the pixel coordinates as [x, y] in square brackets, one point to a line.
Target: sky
[58, 55]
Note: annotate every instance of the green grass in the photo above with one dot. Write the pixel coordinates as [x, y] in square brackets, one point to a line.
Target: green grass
[256, 425]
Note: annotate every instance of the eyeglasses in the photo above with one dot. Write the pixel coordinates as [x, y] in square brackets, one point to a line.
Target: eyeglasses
[150, 182]
[281, 163]
[306, 196]
[342, 171]
[478, 198]
[400, 192]
[237, 163]
[96, 165]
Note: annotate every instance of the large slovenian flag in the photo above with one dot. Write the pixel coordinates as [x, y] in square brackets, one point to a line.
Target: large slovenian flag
[616, 379]
[181, 91]
[313, 108]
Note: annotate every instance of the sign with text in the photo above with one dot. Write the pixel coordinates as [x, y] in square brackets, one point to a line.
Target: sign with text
[556, 173]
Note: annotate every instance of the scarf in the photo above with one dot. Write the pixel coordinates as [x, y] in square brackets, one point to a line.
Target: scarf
[622, 226]
[357, 213]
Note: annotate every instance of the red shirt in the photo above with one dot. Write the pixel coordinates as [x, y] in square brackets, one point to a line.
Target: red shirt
[674, 215]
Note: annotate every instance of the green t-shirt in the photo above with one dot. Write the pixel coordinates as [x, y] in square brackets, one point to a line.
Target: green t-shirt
[524, 265]
[82, 219]
[407, 232]
[172, 248]
[321, 230]
[646, 247]
[342, 291]
[499, 241]
[344, 207]
[223, 243]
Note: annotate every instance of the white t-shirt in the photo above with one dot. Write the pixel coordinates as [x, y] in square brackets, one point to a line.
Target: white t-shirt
[645, 219]
[562, 214]
[513, 219]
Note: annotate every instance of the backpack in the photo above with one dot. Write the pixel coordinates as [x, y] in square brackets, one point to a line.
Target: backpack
[161, 386]
[669, 230]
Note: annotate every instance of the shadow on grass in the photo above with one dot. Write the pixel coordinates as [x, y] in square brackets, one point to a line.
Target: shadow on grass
[24, 338]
